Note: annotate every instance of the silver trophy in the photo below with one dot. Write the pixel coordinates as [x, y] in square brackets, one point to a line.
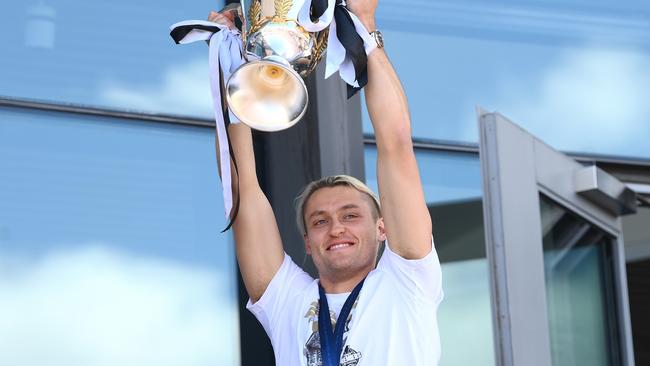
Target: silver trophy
[267, 92]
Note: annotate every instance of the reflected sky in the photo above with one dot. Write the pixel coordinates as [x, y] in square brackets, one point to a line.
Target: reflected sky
[464, 316]
[575, 73]
[94, 305]
[116, 55]
[110, 244]
[150, 187]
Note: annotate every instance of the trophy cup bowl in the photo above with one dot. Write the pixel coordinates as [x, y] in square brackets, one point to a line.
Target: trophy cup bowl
[268, 92]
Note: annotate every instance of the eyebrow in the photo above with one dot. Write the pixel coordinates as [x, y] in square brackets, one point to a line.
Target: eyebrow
[348, 206]
[342, 208]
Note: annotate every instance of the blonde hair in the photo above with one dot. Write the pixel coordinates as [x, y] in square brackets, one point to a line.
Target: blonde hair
[327, 182]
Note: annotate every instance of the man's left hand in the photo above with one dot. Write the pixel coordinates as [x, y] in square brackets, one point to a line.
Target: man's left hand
[365, 11]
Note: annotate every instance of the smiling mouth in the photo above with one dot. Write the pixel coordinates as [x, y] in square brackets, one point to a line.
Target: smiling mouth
[339, 246]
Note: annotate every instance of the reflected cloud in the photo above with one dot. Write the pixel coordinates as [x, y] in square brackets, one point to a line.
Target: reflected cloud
[96, 306]
[588, 100]
[184, 89]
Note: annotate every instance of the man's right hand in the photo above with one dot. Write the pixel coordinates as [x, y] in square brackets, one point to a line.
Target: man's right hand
[227, 19]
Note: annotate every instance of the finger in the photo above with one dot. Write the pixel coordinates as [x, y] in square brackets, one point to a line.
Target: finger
[218, 18]
[230, 16]
[225, 21]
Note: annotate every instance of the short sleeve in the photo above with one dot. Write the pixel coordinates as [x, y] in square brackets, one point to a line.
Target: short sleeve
[421, 278]
[289, 281]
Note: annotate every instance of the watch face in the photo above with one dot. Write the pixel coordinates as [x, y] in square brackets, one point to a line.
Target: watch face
[379, 38]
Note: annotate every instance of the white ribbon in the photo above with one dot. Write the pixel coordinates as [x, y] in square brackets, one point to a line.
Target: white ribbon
[304, 17]
[339, 59]
[225, 56]
[336, 58]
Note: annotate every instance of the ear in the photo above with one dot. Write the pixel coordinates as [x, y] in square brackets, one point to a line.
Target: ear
[305, 238]
[381, 230]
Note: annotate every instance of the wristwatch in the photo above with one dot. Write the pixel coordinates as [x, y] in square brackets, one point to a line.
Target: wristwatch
[376, 34]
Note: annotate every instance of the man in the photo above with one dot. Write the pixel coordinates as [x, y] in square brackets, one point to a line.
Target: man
[391, 317]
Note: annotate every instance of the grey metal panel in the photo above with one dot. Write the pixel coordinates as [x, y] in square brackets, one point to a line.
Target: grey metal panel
[605, 190]
[103, 112]
[554, 171]
[514, 243]
[516, 168]
[622, 302]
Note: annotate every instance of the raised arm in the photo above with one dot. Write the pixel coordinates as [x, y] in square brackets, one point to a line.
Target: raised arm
[406, 217]
[257, 238]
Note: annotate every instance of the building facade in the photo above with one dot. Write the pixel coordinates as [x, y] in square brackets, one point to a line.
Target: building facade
[111, 248]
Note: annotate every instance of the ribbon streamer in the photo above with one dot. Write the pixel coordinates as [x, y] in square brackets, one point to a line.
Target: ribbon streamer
[225, 56]
[347, 39]
[310, 18]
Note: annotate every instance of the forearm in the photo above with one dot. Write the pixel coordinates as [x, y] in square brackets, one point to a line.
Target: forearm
[258, 242]
[386, 103]
[241, 142]
[385, 98]
[257, 238]
[406, 217]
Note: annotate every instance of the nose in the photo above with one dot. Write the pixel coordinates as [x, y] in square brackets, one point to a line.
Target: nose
[337, 228]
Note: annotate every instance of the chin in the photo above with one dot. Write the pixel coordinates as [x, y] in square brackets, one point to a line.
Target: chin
[346, 268]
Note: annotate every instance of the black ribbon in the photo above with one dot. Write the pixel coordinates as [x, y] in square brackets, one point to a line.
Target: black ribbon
[349, 38]
[331, 342]
[226, 119]
[317, 9]
[182, 31]
[235, 209]
[177, 34]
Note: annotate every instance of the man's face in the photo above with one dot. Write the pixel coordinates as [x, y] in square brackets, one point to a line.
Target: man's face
[342, 236]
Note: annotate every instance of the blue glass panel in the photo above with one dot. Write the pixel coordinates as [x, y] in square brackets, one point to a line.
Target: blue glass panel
[446, 177]
[110, 251]
[576, 73]
[452, 188]
[580, 289]
[114, 54]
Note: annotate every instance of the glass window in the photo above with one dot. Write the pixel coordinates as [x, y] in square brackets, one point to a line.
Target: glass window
[580, 289]
[110, 251]
[114, 54]
[576, 73]
[452, 187]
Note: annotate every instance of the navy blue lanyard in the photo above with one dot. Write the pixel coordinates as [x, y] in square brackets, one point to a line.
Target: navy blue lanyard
[331, 342]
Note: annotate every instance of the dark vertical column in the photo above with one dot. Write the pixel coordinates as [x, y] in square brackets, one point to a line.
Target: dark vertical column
[327, 141]
[638, 285]
[339, 128]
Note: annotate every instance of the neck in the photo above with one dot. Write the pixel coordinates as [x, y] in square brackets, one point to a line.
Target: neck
[333, 285]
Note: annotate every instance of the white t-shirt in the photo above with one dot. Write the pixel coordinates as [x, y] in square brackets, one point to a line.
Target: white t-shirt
[393, 321]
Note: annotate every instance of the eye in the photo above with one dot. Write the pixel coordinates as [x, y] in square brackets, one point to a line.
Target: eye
[319, 222]
[350, 216]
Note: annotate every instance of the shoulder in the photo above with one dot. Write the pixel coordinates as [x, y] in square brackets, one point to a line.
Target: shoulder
[289, 281]
[417, 277]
